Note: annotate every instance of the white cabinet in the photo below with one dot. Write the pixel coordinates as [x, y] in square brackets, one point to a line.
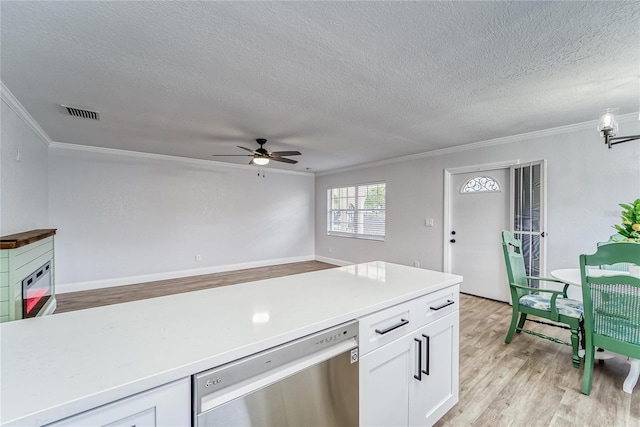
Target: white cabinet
[384, 384]
[435, 391]
[411, 377]
[168, 405]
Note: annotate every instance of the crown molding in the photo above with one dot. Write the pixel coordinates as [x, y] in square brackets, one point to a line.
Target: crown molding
[623, 118]
[13, 103]
[165, 157]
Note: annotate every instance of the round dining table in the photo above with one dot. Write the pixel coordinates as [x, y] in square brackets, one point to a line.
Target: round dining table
[572, 276]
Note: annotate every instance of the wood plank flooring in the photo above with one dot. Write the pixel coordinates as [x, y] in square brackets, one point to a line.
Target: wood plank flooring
[529, 382]
[117, 294]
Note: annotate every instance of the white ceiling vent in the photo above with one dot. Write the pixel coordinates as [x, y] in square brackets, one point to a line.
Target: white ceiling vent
[82, 113]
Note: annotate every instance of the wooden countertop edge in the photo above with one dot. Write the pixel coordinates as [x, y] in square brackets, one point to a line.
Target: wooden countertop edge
[14, 241]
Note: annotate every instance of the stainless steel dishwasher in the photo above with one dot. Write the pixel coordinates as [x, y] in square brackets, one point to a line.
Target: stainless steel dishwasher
[312, 381]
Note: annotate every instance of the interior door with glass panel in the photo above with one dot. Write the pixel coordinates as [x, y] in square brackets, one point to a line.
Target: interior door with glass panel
[479, 212]
[528, 214]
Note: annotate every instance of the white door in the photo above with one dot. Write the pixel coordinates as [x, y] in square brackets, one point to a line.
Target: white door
[479, 212]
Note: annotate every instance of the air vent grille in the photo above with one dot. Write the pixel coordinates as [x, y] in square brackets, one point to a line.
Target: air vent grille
[82, 113]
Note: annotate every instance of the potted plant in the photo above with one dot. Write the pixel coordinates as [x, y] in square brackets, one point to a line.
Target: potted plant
[630, 228]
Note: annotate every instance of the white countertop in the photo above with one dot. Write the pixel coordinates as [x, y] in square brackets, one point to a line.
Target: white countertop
[56, 366]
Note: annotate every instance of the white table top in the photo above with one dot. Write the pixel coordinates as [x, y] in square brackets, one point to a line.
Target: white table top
[572, 275]
[56, 366]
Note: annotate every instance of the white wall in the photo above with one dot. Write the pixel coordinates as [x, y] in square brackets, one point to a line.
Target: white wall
[120, 216]
[24, 188]
[585, 181]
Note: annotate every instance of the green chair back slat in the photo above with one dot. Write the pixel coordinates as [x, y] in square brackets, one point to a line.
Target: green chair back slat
[516, 270]
[621, 266]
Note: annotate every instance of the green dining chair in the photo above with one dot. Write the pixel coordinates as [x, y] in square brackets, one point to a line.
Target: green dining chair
[552, 305]
[621, 266]
[611, 305]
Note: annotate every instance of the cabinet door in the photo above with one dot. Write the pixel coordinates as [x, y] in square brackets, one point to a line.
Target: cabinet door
[165, 406]
[437, 390]
[384, 383]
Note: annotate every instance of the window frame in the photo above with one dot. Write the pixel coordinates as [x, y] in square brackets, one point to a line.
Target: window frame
[356, 212]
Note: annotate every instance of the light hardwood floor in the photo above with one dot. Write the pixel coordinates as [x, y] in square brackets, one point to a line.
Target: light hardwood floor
[529, 382]
[117, 294]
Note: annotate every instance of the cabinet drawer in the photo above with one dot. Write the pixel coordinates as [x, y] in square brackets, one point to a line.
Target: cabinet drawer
[436, 305]
[384, 326]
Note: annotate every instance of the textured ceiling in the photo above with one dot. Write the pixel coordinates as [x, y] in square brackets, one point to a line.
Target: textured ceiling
[345, 83]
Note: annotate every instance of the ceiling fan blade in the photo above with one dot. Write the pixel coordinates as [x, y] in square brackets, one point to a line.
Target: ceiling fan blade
[228, 155]
[245, 148]
[283, 160]
[286, 153]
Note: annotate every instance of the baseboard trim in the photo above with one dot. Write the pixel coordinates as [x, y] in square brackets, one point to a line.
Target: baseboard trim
[333, 261]
[63, 288]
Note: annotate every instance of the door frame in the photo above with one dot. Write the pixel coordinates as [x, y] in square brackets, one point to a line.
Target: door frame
[446, 248]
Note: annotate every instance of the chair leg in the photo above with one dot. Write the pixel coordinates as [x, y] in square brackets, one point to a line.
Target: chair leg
[575, 343]
[587, 376]
[523, 318]
[512, 327]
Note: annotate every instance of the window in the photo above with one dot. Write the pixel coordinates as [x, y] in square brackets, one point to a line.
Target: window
[357, 211]
[480, 184]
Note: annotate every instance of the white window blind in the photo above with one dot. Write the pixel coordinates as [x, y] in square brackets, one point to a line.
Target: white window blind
[357, 211]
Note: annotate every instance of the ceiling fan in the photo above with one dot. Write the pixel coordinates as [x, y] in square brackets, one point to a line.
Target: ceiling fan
[261, 156]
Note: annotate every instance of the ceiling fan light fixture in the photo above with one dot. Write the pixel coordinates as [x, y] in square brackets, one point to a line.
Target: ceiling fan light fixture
[260, 161]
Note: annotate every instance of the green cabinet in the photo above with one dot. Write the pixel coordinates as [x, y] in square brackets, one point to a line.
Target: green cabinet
[15, 265]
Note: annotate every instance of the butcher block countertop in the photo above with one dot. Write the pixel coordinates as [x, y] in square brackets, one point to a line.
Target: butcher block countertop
[14, 241]
[60, 365]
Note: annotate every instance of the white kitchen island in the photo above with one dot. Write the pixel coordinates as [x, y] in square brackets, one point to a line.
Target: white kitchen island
[57, 366]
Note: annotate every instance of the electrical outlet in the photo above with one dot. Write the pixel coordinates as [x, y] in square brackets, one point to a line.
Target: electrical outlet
[416, 264]
[428, 222]
[198, 257]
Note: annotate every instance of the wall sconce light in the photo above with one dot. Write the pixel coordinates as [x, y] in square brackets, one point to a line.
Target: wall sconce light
[608, 127]
[260, 161]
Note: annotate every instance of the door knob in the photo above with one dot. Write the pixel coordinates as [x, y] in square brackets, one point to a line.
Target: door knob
[452, 240]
